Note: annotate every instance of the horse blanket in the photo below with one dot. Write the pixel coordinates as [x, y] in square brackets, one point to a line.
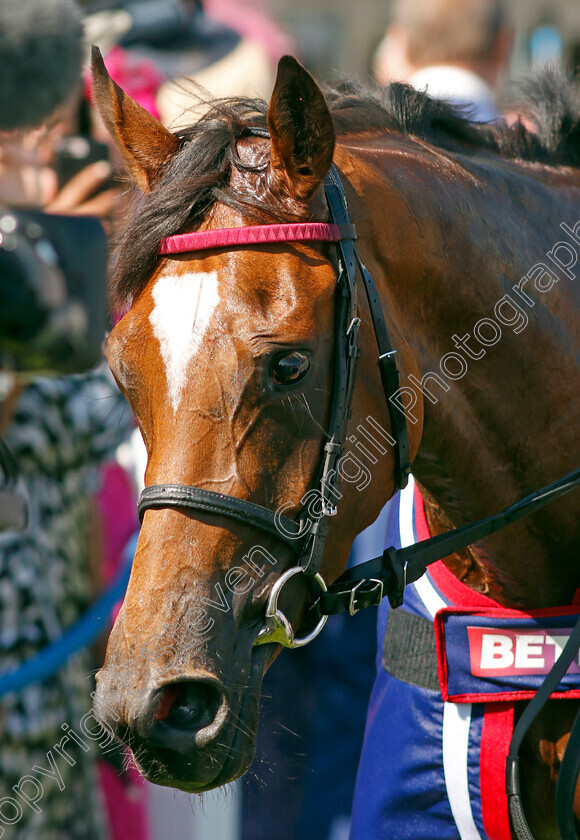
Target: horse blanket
[441, 717]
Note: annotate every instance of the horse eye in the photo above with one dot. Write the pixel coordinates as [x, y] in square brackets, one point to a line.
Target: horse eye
[290, 369]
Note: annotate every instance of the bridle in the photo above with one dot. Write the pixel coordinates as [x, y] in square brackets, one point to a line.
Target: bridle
[305, 536]
[389, 573]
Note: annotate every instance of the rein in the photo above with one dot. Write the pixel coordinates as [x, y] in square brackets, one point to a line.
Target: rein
[388, 574]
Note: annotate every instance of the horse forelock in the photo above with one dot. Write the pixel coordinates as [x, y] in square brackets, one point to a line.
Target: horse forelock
[197, 177]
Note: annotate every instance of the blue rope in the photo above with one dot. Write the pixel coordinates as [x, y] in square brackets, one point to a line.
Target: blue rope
[78, 636]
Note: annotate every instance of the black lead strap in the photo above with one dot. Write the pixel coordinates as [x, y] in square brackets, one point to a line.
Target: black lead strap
[366, 584]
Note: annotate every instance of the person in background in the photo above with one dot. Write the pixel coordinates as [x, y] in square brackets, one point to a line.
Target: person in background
[57, 432]
[457, 50]
[40, 91]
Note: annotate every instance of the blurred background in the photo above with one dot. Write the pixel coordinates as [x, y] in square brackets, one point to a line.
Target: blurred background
[334, 37]
[338, 36]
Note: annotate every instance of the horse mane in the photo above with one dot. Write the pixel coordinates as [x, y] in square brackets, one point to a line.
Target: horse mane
[550, 100]
[199, 174]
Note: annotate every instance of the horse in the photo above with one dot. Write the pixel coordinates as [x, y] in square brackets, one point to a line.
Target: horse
[227, 356]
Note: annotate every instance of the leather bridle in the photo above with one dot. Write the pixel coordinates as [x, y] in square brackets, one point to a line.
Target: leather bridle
[305, 536]
[366, 584]
[389, 573]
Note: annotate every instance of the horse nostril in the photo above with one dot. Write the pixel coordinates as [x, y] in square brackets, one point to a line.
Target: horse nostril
[169, 695]
[189, 706]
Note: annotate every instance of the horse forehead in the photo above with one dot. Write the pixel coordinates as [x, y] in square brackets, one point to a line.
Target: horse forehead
[186, 306]
[183, 306]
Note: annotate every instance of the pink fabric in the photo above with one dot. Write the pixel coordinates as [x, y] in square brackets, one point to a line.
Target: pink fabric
[125, 797]
[117, 506]
[251, 235]
[125, 801]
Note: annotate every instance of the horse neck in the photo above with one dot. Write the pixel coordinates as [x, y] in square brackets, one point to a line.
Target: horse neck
[450, 238]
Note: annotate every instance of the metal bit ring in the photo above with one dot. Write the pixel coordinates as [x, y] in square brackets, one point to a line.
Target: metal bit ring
[277, 628]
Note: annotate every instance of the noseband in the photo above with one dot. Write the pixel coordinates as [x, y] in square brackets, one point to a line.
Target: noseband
[305, 536]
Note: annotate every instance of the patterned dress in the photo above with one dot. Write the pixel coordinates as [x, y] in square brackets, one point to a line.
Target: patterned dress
[60, 431]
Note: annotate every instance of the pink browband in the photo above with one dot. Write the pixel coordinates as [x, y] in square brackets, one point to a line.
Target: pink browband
[255, 235]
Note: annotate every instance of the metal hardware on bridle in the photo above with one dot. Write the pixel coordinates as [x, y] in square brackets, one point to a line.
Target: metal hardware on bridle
[277, 628]
[305, 536]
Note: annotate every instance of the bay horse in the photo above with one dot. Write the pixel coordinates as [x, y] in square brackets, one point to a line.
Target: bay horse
[226, 356]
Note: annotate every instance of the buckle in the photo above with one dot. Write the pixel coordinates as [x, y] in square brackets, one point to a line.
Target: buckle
[354, 325]
[353, 348]
[377, 590]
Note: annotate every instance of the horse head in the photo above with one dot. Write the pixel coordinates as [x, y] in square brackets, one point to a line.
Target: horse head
[226, 356]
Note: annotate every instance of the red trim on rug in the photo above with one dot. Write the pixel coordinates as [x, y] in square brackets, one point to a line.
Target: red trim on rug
[498, 724]
[504, 696]
[456, 591]
[460, 595]
[451, 588]
[497, 611]
[420, 518]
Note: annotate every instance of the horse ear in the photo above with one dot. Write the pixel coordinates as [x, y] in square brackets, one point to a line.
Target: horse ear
[301, 132]
[145, 145]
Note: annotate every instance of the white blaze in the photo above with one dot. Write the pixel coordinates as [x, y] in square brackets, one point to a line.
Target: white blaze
[184, 304]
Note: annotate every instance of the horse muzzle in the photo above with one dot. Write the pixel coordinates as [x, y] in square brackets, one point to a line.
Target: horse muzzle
[179, 732]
